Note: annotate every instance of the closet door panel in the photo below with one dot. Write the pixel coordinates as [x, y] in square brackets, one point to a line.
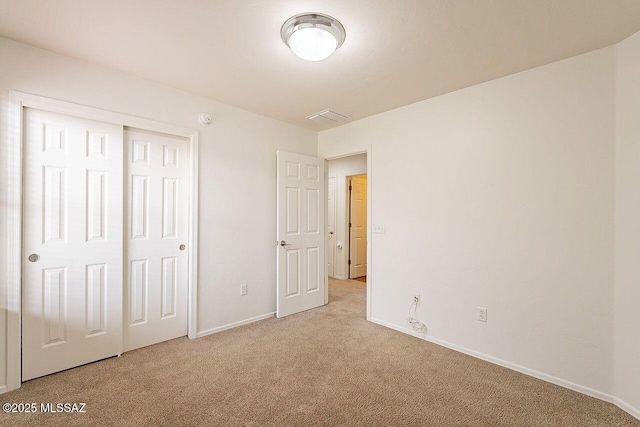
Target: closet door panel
[72, 268]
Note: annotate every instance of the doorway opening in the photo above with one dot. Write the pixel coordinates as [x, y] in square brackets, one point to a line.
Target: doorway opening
[347, 226]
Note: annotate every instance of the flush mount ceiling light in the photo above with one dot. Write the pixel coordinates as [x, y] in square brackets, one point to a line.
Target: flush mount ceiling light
[312, 36]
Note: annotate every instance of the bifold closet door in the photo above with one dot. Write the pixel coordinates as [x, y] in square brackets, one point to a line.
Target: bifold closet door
[72, 248]
[156, 238]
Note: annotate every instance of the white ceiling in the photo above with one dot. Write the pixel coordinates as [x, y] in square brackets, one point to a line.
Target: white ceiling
[396, 52]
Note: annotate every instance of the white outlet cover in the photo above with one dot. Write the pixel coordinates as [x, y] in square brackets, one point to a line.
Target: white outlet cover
[379, 228]
[243, 290]
[482, 314]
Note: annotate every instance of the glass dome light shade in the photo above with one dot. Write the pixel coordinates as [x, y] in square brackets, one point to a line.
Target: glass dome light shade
[312, 44]
[312, 36]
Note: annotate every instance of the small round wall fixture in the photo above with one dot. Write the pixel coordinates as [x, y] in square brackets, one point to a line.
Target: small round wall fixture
[313, 36]
[205, 118]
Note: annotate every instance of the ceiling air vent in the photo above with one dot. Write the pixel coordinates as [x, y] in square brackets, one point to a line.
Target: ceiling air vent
[327, 117]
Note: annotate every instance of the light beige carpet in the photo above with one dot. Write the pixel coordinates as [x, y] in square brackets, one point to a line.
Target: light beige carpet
[326, 366]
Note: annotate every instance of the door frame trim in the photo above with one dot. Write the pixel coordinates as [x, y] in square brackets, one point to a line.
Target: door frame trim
[369, 153]
[12, 281]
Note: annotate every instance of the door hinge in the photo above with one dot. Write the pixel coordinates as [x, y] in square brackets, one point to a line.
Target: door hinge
[350, 188]
[349, 225]
[349, 262]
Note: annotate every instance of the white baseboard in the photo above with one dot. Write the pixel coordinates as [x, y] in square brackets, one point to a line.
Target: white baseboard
[3, 389]
[235, 324]
[540, 375]
[626, 407]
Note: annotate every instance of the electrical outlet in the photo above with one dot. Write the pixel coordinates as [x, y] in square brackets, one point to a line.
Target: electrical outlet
[416, 299]
[243, 289]
[482, 314]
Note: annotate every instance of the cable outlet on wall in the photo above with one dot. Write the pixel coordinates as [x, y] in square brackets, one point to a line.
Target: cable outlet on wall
[243, 289]
[416, 299]
[482, 314]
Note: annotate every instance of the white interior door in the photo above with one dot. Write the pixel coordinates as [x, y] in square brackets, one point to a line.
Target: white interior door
[156, 231]
[301, 233]
[331, 224]
[358, 227]
[72, 269]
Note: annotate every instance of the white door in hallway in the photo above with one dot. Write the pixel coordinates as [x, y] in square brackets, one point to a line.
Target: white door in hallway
[156, 235]
[300, 233]
[331, 225]
[358, 228]
[72, 247]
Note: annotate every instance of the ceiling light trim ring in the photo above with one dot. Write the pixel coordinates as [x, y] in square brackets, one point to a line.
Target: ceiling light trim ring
[313, 20]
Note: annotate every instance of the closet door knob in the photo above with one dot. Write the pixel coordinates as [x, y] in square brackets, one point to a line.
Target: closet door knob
[34, 257]
[182, 247]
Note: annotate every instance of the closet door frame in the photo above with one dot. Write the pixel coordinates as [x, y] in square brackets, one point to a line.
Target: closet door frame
[13, 260]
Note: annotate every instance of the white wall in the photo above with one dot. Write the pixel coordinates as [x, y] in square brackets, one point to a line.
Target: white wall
[501, 195]
[627, 272]
[237, 173]
[340, 169]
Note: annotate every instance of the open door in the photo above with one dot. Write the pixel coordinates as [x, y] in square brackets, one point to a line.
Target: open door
[301, 234]
[358, 226]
